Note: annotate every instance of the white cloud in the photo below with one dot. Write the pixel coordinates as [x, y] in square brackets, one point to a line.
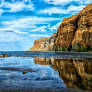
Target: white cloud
[10, 34]
[59, 2]
[55, 27]
[5, 37]
[56, 10]
[28, 22]
[53, 10]
[84, 1]
[17, 6]
[75, 8]
[56, 2]
[37, 20]
[12, 30]
[1, 11]
[39, 29]
[38, 35]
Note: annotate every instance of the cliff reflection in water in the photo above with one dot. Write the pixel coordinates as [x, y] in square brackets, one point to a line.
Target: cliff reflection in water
[76, 73]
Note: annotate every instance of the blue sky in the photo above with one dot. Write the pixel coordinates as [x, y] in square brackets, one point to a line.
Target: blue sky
[23, 21]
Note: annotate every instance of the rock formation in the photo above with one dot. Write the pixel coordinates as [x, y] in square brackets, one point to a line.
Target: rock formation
[44, 44]
[74, 33]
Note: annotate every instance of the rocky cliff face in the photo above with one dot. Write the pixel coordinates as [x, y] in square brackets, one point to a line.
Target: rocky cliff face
[74, 33]
[44, 44]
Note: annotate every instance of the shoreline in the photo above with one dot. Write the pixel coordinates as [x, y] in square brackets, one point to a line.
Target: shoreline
[46, 54]
[49, 51]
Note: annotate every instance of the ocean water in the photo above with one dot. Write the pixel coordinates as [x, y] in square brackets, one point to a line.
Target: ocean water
[45, 74]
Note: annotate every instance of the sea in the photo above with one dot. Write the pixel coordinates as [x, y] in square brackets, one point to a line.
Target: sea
[28, 71]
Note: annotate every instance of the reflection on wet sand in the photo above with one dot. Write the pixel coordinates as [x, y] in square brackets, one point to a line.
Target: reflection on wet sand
[76, 73]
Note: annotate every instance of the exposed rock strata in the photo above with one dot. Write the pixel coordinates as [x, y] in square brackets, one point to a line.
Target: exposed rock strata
[44, 44]
[74, 33]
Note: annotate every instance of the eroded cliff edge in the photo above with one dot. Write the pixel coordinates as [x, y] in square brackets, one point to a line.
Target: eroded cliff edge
[74, 33]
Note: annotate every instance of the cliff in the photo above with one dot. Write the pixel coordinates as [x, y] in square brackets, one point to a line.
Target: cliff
[44, 44]
[74, 33]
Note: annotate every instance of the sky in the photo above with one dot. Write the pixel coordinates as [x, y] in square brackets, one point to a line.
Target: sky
[23, 21]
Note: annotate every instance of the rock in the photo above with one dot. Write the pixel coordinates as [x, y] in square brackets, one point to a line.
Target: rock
[74, 33]
[83, 35]
[76, 30]
[40, 45]
[44, 44]
[66, 32]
